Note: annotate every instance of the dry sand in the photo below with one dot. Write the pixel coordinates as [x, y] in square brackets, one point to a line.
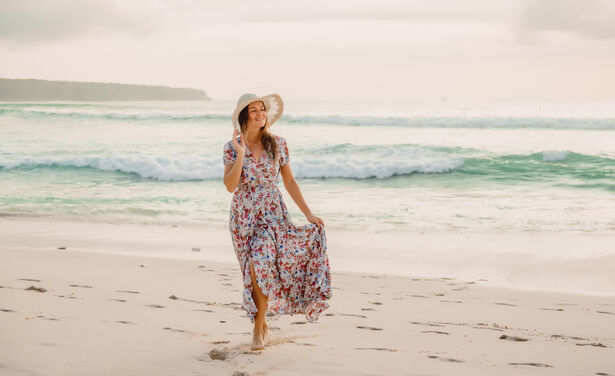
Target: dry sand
[112, 314]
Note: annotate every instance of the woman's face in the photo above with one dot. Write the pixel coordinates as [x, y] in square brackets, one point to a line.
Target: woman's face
[257, 115]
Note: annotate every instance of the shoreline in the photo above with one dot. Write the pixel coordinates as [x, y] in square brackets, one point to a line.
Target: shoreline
[543, 262]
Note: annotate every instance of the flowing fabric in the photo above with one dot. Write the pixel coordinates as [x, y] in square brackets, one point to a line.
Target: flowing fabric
[290, 262]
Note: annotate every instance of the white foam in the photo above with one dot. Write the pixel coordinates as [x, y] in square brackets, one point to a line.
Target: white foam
[553, 156]
[167, 169]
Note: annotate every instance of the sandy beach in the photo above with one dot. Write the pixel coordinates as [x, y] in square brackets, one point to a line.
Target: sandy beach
[70, 306]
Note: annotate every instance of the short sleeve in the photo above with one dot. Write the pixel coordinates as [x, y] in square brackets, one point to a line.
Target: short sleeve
[283, 151]
[228, 153]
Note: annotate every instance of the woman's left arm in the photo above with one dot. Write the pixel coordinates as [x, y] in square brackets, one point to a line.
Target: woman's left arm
[292, 187]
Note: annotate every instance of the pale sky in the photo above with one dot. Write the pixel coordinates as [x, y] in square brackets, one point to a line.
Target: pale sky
[325, 50]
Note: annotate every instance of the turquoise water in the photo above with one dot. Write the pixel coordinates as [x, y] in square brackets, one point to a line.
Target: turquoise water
[410, 167]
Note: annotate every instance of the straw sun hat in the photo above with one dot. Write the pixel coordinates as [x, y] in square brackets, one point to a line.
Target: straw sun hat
[273, 105]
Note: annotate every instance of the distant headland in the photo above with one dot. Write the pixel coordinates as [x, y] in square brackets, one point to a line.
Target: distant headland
[43, 90]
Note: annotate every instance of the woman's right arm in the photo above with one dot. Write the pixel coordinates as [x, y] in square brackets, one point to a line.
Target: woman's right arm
[232, 171]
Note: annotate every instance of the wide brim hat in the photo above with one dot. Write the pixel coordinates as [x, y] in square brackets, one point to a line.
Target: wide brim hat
[273, 105]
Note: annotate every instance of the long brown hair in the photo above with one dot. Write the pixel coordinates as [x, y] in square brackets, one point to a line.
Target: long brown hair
[267, 138]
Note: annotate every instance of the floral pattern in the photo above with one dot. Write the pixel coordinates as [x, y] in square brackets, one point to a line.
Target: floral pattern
[290, 261]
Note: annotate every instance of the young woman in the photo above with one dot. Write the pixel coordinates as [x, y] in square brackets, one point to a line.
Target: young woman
[285, 268]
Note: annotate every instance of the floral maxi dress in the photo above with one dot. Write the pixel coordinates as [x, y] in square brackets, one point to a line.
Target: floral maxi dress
[290, 262]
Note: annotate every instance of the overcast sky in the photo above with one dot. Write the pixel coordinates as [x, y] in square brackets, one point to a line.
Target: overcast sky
[331, 49]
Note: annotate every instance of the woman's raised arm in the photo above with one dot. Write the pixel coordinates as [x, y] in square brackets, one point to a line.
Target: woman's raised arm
[232, 171]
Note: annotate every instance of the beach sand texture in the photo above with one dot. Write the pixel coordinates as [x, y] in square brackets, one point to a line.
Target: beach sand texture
[67, 311]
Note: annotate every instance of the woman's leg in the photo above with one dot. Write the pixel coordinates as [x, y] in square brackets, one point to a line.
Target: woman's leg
[260, 326]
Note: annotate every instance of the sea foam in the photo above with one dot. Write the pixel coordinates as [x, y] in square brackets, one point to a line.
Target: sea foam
[553, 156]
[426, 121]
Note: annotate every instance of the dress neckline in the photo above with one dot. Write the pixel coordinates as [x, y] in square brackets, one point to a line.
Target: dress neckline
[252, 155]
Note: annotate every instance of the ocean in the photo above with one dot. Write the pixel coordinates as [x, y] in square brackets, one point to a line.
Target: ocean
[443, 166]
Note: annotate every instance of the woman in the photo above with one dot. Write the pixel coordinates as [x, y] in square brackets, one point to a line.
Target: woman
[285, 267]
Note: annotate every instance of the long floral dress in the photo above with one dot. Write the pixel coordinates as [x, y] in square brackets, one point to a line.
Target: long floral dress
[290, 262]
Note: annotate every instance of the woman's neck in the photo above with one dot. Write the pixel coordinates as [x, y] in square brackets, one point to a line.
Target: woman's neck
[254, 138]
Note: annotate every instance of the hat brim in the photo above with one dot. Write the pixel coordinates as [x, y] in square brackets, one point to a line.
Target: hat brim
[273, 105]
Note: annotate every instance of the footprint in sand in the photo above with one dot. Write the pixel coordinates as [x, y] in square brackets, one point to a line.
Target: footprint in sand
[531, 364]
[29, 279]
[451, 301]
[606, 312]
[68, 297]
[487, 328]
[218, 354]
[231, 352]
[375, 303]
[220, 342]
[561, 336]
[122, 322]
[47, 318]
[513, 338]
[367, 309]
[435, 332]
[176, 330]
[6, 310]
[506, 304]
[118, 300]
[368, 328]
[204, 310]
[446, 359]
[83, 286]
[34, 288]
[154, 306]
[552, 309]
[375, 348]
[352, 315]
[297, 323]
[592, 344]
[424, 323]
[419, 296]
[128, 291]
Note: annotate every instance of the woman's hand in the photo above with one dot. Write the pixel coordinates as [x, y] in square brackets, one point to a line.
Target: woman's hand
[316, 220]
[239, 146]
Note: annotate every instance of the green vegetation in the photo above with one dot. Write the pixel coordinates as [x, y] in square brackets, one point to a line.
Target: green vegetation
[43, 90]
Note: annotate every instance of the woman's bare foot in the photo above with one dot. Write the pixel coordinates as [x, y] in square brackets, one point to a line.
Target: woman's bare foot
[257, 340]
